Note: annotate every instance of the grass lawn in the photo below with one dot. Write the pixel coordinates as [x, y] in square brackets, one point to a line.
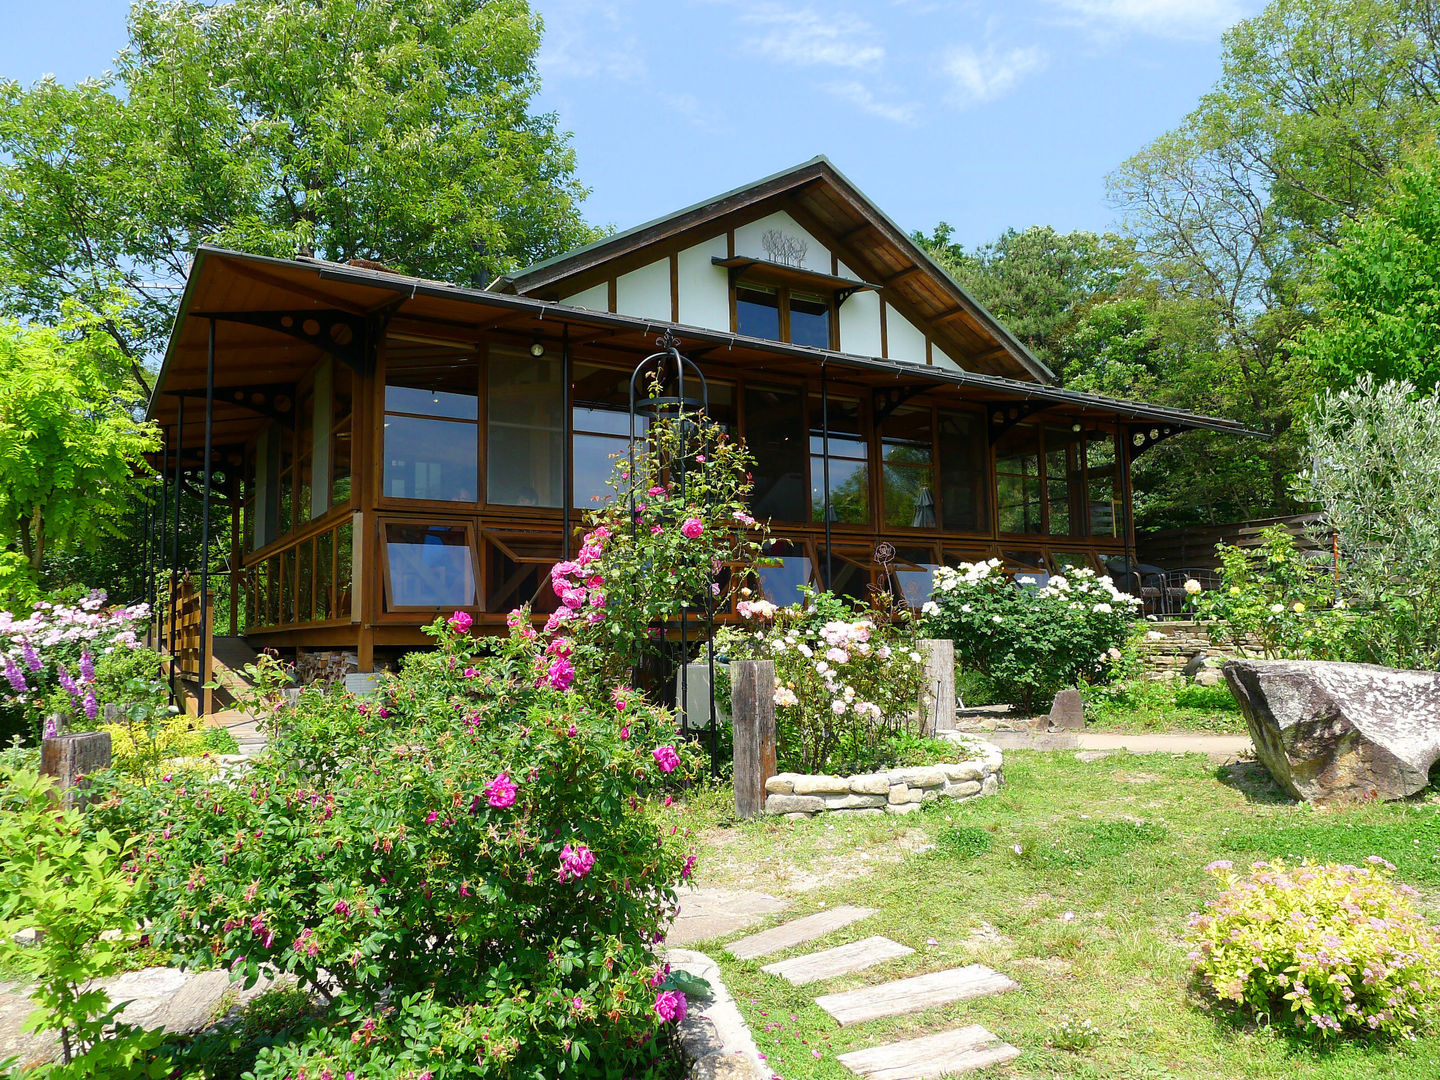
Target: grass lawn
[1163, 705]
[1087, 916]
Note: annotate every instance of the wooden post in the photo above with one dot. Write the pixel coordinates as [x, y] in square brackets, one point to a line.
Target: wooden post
[752, 705]
[71, 759]
[938, 691]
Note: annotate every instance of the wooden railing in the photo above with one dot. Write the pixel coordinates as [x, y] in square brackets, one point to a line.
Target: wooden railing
[1172, 549]
[189, 640]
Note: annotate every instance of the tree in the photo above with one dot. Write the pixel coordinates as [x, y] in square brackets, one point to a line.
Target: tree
[72, 464]
[1378, 301]
[397, 131]
[1036, 281]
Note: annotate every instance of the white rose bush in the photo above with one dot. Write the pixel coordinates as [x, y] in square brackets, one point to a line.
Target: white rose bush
[1026, 641]
[847, 681]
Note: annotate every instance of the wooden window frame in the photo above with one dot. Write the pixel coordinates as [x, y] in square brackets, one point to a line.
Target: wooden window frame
[387, 606]
[783, 294]
[402, 504]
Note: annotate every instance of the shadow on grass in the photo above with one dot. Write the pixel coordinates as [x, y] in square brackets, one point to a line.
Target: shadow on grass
[1252, 780]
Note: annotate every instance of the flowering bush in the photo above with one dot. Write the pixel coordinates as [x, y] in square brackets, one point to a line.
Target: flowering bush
[48, 659]
[846, 680]
[1322, 949]
[1026, 642]
[471, 836]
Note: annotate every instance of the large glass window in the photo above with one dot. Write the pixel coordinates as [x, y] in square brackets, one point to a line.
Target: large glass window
[601, 412]
[809, 321]
[431, 430]
[305, 460]
[907, 443]
[518, 571]
[914, 570]
[849, 463]
[1017, 480]
[774, 433]
[850, 569]
[1064, 481]
[285, 489]
[963, 480]
[430, 566]
[1105, 500]
[344, 568]
[757, 311]
[342, 407]
[790, 567]
[526, 410]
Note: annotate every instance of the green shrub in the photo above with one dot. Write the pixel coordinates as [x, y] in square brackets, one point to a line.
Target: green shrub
[1320, 949]
[480, 846]
[218, 740]
[1029, 642]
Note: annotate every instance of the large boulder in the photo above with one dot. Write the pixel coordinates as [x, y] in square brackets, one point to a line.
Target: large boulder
[1333, 732]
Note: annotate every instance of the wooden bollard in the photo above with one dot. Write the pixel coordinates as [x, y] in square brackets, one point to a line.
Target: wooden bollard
[71, 759]
[938, 692]
[752, 707]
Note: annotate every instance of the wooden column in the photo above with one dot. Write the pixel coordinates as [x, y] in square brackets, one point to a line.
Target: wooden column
[752, 706]
[937, 693]
[71, 759]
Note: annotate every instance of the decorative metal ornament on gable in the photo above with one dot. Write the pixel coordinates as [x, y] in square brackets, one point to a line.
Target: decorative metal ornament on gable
[665, 369]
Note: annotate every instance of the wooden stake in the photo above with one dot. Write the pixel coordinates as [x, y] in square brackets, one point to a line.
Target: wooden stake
[752, 706]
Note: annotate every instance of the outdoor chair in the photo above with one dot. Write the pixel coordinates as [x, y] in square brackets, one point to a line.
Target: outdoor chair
[1174, 586]
[1139, 579]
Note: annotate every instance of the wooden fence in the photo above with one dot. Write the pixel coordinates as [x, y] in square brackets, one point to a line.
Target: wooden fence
[1172, 549]
[190, 642]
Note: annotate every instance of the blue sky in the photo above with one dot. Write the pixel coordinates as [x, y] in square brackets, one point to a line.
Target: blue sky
[982, 113]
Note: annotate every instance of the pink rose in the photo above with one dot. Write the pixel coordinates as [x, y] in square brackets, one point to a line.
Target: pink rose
[560, 674]
[670, 1006]
[500, 792]
[656, 491]
[666, 758]
[692, 528]
[461, 622]
[575, 862]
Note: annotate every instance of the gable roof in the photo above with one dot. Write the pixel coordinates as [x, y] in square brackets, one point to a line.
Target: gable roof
[826, 203]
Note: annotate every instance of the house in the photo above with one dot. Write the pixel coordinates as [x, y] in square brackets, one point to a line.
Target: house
[393, 448]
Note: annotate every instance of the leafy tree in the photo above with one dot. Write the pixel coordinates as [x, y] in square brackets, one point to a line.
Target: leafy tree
[71, 453]
[398, 131]
[1379, 298]
[1036, 281]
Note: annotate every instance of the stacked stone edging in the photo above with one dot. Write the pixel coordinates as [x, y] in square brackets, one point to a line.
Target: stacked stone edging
[1167, 648]
[894, 791]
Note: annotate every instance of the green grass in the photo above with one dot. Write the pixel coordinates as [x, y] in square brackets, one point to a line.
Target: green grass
[1118, 846]
[1163, 705]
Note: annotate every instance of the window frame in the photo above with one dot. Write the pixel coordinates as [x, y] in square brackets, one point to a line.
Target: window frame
[783, 294]
[387, 605]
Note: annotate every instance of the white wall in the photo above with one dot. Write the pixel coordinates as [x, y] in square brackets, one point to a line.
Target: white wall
[595, 298]
[860, 324]
[943, 360]
[749, 241]
[645, 293]
[902, 339]
[704, 287]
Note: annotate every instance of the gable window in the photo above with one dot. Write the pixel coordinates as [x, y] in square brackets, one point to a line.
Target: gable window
[778, 313]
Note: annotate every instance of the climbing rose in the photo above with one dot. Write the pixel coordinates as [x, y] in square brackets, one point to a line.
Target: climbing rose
[500, 792]
[461, 622]
[666, 758]
[692, 528]
[575, 862]
[670, 1006]
[560, 674]
[620, 697]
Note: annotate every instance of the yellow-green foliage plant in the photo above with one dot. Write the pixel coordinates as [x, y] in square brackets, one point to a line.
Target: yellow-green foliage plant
[1323, 950]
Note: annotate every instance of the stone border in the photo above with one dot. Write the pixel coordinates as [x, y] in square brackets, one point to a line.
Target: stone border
[713, 1036]
[896, 791]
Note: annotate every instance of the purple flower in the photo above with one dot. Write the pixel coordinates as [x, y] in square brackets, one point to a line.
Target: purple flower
[15, 676]
[560, 674]
[32, 658]
[575, 862]
[670, 1006]
[63, 677]
[666, 758]
[87, 668]
[52, 727]
[461, 622]
[90, 705]
[500, 792]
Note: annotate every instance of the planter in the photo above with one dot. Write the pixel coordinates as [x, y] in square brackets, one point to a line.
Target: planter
[894, 791]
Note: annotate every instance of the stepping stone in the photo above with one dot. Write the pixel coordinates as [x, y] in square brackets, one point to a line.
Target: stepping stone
[946, 1054]
[841, 960]
[796, 932]
[914, 995]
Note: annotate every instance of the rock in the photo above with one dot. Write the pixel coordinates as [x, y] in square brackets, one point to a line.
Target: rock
[1194, 665]
[990, 785]
[963, 790]
[699, 1037]
[821, 785]
[924, 777]
[1068, 711]
[853, 802]
[1089, 757]
[28, 1048]
[793, 804]
[798, 816]
[1209, 676]
[783, 784]
[902, 808]
[723, 1066]
[965, 770]
[870, 784]
[1331, 732]
[900, 794]
[864, 811]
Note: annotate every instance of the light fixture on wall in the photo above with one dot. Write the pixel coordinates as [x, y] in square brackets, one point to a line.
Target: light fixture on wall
[537, 349]
[1076, 428]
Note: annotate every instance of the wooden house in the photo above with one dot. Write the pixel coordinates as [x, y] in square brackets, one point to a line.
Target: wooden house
[392, 448]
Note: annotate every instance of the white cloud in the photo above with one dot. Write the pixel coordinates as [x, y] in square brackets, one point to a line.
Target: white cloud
[589, 38]
[706, 117]
[806, 38]
[864, 99]
[978, 77]
[1162, 18]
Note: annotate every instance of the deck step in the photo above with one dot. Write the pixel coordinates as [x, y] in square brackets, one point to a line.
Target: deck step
[796, 932]
[841, 960]
[915, 994]
[947, 1054]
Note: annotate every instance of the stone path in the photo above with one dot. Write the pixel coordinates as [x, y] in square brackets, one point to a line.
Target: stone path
[1222, 749]
[946, 1053]
[796, 932]
[710, 913]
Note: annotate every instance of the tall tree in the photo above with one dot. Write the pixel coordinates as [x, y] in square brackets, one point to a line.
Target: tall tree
[400, 131]
[71, 453]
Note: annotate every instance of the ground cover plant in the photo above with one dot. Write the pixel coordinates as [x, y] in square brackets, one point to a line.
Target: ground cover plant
[1077, 880]
[1143, 704]
[847, 679]
[1023, 642]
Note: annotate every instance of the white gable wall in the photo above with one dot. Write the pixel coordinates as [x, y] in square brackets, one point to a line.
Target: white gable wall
[860, 324]
[903, 340]
[704, 287]
[645, 292]
[749, 241]
[595, 298]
